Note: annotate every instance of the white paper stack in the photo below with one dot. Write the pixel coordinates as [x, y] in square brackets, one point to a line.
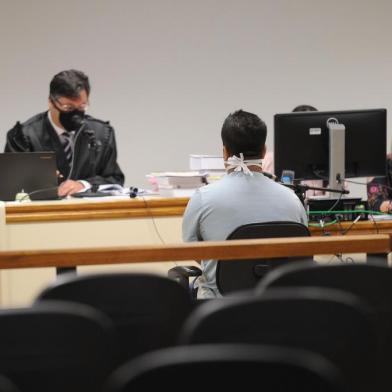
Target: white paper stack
[177, 184]
[206, 162]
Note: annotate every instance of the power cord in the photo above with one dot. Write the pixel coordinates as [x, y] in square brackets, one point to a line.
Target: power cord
[336, 202]
[370, 213]
[344, 232]
[27, 195]
[133, 195]
[154, 223]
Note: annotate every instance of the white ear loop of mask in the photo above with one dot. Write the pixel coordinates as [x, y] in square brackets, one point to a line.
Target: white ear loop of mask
[239, 164]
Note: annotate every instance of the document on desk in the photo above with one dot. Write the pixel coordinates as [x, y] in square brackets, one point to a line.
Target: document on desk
[118, 190]
[115, 190]
[380, 217]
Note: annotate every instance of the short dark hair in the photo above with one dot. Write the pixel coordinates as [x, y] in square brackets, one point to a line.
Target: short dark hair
[305, 108]
[244, 132]
[69, 83]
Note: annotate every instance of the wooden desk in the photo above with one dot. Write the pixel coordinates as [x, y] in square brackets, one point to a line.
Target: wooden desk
[361, 227]
[87, 223]
[78, 224]
[82, 210]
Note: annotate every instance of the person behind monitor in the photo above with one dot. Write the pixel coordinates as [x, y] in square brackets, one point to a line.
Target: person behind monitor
[244, 195]
[269, 166]
[379, 190]
[85, 147]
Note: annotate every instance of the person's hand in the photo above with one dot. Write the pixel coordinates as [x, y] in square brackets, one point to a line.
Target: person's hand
[386, 206]
[69, 187]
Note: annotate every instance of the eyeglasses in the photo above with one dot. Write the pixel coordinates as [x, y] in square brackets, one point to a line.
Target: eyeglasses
[68, 107]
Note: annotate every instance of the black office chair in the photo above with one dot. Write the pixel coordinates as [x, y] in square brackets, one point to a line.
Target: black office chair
[334, 324]
[6, 385]
[372, 282]
[147, 310]
[228, 367]
[56, 347]
[239, 275]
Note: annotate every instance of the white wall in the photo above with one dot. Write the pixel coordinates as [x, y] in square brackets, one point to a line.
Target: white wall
[167, 72]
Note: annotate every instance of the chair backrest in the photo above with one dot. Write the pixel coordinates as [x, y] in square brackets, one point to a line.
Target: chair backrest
[228, 367]
[373, 283]
[6, 385]
[332, 323]
[235, 275]
[147, 310]
[56, 347]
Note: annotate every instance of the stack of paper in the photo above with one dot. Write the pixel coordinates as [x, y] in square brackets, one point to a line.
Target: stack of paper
[181, 180]
[176, 184]
[206, 162]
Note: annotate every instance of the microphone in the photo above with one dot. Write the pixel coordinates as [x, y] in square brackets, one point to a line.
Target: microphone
[93, 142]
[51, 193]
[270, 176]
[133, 192]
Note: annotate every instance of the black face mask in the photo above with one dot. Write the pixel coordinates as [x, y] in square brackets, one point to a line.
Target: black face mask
[72, 121]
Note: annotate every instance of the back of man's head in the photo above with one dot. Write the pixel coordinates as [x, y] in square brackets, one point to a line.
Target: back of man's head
[244, 132]
[69, 83]
[304, 108]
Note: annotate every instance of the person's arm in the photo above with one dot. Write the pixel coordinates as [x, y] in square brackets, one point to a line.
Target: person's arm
[380, 192]
[304, 216]
[108, 170]
[191, 219]
[378, 195]
[17, 141]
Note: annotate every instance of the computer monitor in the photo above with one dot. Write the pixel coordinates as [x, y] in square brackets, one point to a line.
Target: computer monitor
[302, 143]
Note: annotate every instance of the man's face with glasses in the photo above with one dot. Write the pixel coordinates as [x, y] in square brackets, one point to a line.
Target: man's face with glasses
[60, 106]
[67, 104]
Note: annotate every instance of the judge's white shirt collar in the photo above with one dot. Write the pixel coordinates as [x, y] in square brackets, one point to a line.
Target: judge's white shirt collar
[58, 130]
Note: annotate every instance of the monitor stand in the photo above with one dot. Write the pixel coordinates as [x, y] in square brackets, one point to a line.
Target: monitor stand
[337, 136]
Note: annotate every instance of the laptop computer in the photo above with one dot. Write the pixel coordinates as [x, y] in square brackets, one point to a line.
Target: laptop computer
[28, 172]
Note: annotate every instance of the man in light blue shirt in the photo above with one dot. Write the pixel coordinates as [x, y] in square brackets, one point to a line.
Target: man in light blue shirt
[243, 196]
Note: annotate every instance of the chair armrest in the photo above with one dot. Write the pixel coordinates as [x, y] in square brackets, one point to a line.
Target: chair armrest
[185, 270]
[182, 273]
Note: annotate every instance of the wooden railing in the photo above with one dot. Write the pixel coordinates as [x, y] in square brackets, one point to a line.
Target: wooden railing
[223, 250]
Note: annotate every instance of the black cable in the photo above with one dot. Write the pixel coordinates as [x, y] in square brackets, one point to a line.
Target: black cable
[344, 232]
[337, 218]
[154, 224]
[319, 176]
[349, 259]
[336, 203]
[323, 228]
[355, 182]
[153, 219]
[27, 195]
[374, 223]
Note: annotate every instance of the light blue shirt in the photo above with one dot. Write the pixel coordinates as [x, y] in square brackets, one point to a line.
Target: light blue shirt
[216, 210]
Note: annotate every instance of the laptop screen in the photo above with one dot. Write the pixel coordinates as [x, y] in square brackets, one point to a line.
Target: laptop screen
[28, 172]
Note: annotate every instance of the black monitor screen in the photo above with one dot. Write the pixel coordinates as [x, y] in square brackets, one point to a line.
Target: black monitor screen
[302, 143]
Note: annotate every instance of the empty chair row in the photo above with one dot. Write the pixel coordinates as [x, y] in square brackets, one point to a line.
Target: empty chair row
[228, 366]
[131, 314]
